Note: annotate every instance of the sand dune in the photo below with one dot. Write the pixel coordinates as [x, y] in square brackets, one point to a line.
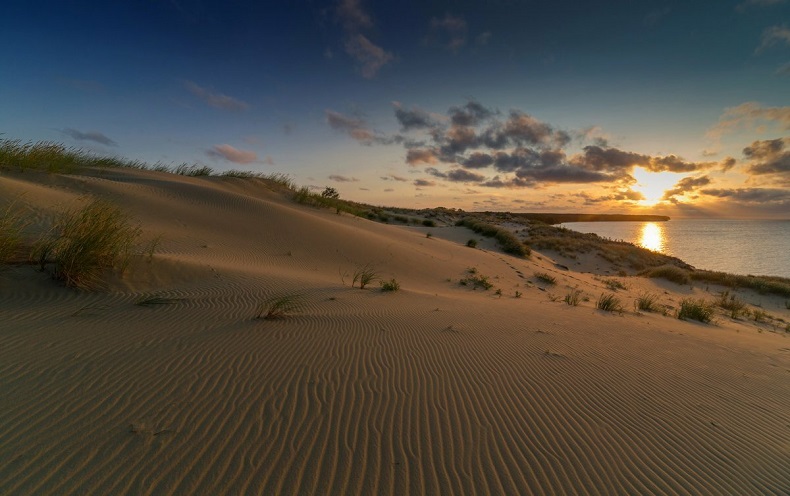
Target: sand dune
[433, 389]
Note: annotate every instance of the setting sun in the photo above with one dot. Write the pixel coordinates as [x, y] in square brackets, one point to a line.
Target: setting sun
[653, 185]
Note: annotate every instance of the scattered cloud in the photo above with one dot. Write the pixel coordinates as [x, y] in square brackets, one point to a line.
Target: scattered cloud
[356, 127]
[370, 56]
[94, 136]
[414, 118]
[231, 154]
[352, 17]
[214, 99]
[749, 115]
[393, 177]
[751, 195]
[343, 179]
[773, 36]
[422, 183]
[686, 185]
[449, 32]
[768, 156]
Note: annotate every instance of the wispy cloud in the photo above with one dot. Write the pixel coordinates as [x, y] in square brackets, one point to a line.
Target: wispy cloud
[357, 128]
[686, 185]
[773, 36]
[215, 99]
[449, 32]
[352, 16]
[343, 179]
[749, 115]
[368, 55]
[231, 154]
[94, 136]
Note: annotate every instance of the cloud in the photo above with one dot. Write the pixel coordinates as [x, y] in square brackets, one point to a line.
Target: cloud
[614, 160]
[470, 114]
[352, 17]
[773, 36]
[393, 177]
[343, 179]
[456, 175]
[686, 185]
[768, 156]
[370, 56]
[449, 31]
[94, 136]
[415, 118]
[357, 128]
[388, 190]
[749, 115]
[421, 183]
[231, 154]
[751, 195]
[216, 100]
[416, 156]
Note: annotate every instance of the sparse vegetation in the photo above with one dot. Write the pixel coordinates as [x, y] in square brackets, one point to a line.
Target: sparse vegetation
[391, 285]
[613, 284]
[759, 315]
[670, 273]
[428, 223]
[11, 227]
[476, 280]
[609, 303]
[699, 310]
[472, 243]
[84, 242]
[647, 302]
[762, 284]
[279, 307]
[731, 303]
[364, 275]
[506, 239]
[518, 294]
[573, 297]
[546, 278]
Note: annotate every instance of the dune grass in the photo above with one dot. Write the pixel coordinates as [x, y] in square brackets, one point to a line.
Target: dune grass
[546, 278]
[364, 275]
[84, 242]
[476, 280]
[614, 284]
[696, 309]
[391, 285]
[280, 307]
[647, 302]
[670, 273]
[506, 239]
[12, 223]
[573, 298]
[609, 303]
[731, 303]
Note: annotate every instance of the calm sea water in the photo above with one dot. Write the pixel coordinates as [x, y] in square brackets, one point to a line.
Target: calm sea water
[758, 247]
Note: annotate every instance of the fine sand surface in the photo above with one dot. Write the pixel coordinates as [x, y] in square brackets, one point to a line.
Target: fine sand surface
[433, 389]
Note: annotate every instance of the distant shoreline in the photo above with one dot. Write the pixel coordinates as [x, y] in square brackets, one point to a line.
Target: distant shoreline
[563, 218]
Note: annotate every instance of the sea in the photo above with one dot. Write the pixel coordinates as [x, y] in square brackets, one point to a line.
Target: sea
[756, 247]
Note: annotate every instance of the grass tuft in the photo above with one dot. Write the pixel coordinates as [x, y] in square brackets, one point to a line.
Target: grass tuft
[84, 242]
[472, 243]
[391, 285]
[670, 273]
[609, 303]
[731, 303]
[613, 284]
[647, 302]
[545, 277]
[364, 275]
[573, 298]
[280, 307]
[699, 310]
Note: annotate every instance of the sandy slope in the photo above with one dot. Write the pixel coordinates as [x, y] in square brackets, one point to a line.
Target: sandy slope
[435, 389]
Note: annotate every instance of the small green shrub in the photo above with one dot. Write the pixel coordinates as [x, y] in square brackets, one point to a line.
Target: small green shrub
[83, 242]
[472, 243]
[545, 277]
[279, 307]
[647, 302]
[391, 285]
[699, 310]
[573, 298]
[609, 303]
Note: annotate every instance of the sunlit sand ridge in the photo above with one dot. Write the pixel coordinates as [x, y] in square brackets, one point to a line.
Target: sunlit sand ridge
[436, 388]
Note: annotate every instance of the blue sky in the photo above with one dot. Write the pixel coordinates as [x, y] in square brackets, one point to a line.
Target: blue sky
[675, 106]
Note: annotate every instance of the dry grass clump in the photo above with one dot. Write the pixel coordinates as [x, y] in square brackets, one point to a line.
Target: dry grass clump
[12, 224]
[609, 303]
[279, 307]
[670, 273]
[762, 284]
[476, 280]
[647, 302]
[84, 242]
[614, 284]
[699, 310]
[506, 239]
[391, 285]
[573, 298]
[545, 277]
[731, 303]
[364, 275]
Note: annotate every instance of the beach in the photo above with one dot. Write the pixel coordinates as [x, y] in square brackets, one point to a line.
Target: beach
[163, 381]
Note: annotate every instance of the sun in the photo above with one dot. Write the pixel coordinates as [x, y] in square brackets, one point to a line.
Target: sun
[653, 185]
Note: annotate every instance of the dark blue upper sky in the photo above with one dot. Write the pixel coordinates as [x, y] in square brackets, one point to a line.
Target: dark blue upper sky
[577, 98]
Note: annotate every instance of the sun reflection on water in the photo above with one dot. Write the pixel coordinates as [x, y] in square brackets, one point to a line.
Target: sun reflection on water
[652, 236]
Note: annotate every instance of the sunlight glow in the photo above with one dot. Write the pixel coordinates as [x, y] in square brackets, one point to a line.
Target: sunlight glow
[653, 185]
[652, 236]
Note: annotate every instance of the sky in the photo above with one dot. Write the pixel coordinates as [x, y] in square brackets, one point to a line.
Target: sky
[671, 107]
